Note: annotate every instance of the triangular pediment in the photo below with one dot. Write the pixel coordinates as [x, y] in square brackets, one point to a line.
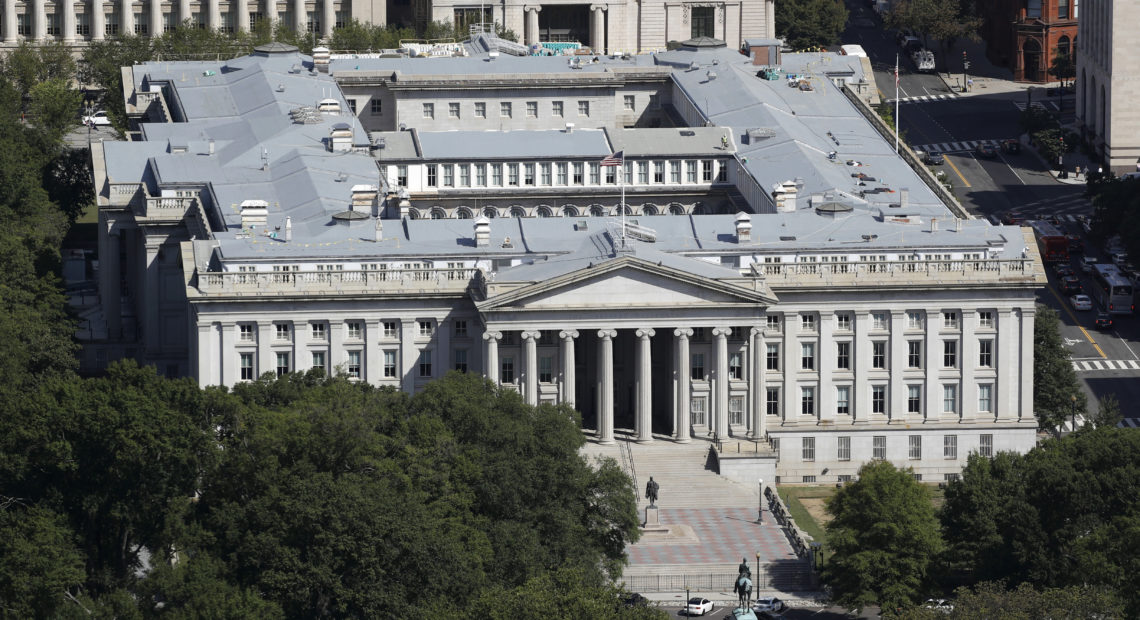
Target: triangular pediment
[629, 282]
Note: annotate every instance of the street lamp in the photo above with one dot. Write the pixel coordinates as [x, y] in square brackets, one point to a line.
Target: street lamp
[760, 507]
[1074, 412]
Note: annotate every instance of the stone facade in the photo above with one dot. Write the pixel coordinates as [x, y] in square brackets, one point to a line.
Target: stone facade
[1025, 35]
[1108, 83]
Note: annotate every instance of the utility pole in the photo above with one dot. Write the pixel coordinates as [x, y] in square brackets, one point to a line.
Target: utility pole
[965, 68]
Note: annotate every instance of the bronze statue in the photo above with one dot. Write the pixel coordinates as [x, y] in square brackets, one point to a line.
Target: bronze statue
[651, 489]
[743, 568]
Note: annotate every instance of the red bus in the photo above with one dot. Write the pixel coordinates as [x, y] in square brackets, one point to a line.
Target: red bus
[1054, 244]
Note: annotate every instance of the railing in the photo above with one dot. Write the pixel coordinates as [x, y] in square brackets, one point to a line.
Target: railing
[370, 281]
[793, 576]
[168, 207]
[800, 541]
[123, 194]
[906, 272]
[627, 461]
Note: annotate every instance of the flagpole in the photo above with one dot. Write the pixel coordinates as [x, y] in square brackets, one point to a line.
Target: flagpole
[621, 207]
[896, 104]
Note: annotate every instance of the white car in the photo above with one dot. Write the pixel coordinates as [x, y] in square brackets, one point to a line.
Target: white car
[698, 606]
[768, 603]
[1081, 302]
[97, 118]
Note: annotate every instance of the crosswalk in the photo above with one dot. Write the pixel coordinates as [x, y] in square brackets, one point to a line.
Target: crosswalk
[1129, 423]
[1103, 365]
[1020, 105]
[954, 147]
[1064, 218]
[922, 98]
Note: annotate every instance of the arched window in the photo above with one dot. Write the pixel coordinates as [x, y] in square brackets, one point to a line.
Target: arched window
[413, 213]
[437, 213]
[463, 213]
[544, 211]
[491, 212]
[1064, 46]
[597, 211]
[569, 211]
[676, 209]
[699, 209]
[649, 209]
[517, 211]
[626, 210]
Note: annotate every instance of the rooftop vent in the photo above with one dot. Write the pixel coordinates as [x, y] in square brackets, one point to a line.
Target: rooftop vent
[328, 106]
[833, 209]
[321, 59]
[254, 213]
[756, 134]
[482, 231]
[711, 75]
[305, 115]
[688, 133]
[288, 229]
[365, 198]
[569, 127]
[743, 227]
[379, 230]
[340, 138]
[785, 196]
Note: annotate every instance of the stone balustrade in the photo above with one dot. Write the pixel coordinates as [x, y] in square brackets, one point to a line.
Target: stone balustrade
[900, 273]
[383, 281]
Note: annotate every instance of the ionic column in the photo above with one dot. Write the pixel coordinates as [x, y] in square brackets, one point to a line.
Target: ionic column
[409, 355]
[568, 385]
[644, 386]
[826, 359]
[213, 15]
[68, 7]
[329, 18]
[111, 277]
[1007, 391]
[155, 8]
[606, 385]
[265, 361]
[373, 354]
[269, 12]
[150, 299]
[39, 20]
[442, 347]
[303, 358]
[229, 357]
[932, 399]
[759, 390]
[183, 11]
[1025, 357]
[10, 21]
[531, 34]
[681, 432]
[598, 28]
[861, 357]
[241, 19]
[530, 367]
[897, 362]
[337, 356]
[491, 368]
[205, 372]
[968, 390]
[127, 17]
[98, 20]
[300, 16]
[721, 413]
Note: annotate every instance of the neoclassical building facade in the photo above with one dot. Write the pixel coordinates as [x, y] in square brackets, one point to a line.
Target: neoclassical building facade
[1108, 84]
[767, 271]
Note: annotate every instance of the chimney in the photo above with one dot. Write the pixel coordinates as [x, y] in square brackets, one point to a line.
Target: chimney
[785, 196]
[379, 230]
[957, 224]
[743, 227]
[569, 127]
[321, 59]
[254, 213]
[405, 206]
[211, 146]
[340, 138]
[933, 224]
[288, 229]
[904, 197]
[364, 198]
[482, 231]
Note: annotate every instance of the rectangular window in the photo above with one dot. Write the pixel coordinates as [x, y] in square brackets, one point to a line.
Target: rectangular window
[496, 175]
[703, 21]
[544, 173]
[513, 175]
[722, 174]
[595, 173]
[807, 400]
[950, 399]
[773, 356]
[691, 171]
[546, 369]
[505, 109]
[843, 322]
[459, 328]
[507, 370]
[532, 109]
[556, 109]
[282, 364]
[643, 173]
[844, 451]
[879, 355]
[355, 330]
[950, 447]
[699, 410]
[318, 331]
[807, 355]
[583, 108]
[878, 399]
[480, 109]
[1062, 9]
[353, 365]
[808, 448]
[986, 353]
[736, 410]
[843, 355]
[246, 362]
[914, 320]
[448, 175]
[426, 328]
[429, 110]
[528, 174]
[878, 320]
[461, 360]
[480, 175]
[950, 354]
[245, 333]
[706, 170]
[914, 399]
[736, 367]
[985, 397]
[879, 447]
[169, 23]
[425, 363]
[253, 19]
[389, 329]
[843, 478]
[453, 109]
[950, 477]
[319, 361]
[772, 401]
[628, 102]
[675, 172]
[313, 22]
[986, 445]
[914, 354]
[611, 175]
[915, 444]
[111, 23]
[577, 173]
[697, 367]
[53, 29]
[1033, 8]
[950, 320]
[402, 175]
[389, 364]
[658, 172]
[843, 400]
[772, 322]
[563, 177]
[432, 175]
[807, 322]
[340, 19]
[464, 175]
[985, 319]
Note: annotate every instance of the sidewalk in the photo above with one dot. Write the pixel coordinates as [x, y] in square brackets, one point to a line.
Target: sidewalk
[728, 600]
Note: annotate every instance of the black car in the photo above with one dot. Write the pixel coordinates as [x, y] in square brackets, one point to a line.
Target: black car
[1063, 270]
[1076, 244]
[985, 150]
[1011, 146]
[1071, 284]
[933, 159]
[1103, 320]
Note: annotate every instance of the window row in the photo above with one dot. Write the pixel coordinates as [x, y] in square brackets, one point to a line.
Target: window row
[879, 394]
[879, 447]
[353, 364]
[880, 321]
[53, 22]
[809, 359]
[353, 330]
[566, 173]
[478, 109]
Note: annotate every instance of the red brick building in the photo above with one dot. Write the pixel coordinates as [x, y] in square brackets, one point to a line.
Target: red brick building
[1025, 35]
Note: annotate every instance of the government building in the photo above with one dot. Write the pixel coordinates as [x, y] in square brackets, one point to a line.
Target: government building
[700, 244]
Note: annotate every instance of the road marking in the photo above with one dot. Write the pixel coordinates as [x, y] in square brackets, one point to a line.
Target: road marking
[1104, 365]
[1007, 165]
[958, 172]
[1077, 322]
[1072, 341]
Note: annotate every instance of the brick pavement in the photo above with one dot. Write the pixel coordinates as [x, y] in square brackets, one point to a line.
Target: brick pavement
[726, 535]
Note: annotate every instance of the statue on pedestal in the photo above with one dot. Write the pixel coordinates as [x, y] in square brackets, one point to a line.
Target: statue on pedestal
[743, 586]
[651, 489]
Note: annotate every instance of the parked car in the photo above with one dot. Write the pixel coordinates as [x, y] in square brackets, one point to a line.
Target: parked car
[1011, 146]
[768, 603]
[985, 150]
[97, 118]
[1071, 284]
[1103, 320]
[698, 606]
[1012, 218]
[933, 159]
[1076, 244]
[1080, 302]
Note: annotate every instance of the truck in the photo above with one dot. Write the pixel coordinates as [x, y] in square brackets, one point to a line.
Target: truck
[923, 60]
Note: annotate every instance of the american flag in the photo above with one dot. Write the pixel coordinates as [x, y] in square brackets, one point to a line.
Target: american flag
[614, 160]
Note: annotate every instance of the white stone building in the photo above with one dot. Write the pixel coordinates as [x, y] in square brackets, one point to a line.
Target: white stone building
[1108, 82]
[777, 274]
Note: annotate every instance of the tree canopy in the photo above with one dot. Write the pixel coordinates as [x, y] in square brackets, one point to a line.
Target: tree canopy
[809, 24]
[884, 537]
[937, 19]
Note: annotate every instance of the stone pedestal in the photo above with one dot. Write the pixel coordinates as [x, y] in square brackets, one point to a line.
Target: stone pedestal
[652, 518]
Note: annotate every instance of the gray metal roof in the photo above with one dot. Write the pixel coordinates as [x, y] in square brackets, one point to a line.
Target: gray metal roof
[672, 142]
[514, 144]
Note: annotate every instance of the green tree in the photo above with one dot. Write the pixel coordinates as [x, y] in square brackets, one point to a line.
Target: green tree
[54, 105]
[1056, 393]
[39, 561]
[1107, 412]
[808, 24]
[992, 600]
[102, 66]
[197, 587]
[30, 63]
[188, 42]
[884, 538]
[560, 594]
[1063, 67]
[943, 21]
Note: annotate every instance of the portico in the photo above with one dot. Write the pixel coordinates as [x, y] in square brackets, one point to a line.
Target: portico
[628, 340]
